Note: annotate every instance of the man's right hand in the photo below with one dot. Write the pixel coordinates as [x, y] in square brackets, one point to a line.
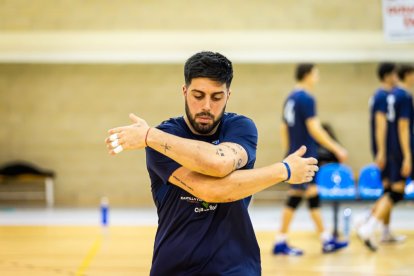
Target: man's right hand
[406, 167]
[380, 160]
[341, 154]
[302, 169]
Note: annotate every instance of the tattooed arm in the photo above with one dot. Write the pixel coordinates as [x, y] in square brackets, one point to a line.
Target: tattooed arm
[201, 157]
[243, 183]
[213, 160]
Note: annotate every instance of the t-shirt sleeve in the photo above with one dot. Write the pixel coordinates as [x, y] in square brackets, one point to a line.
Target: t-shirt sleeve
[243, 132]
[308, 107]
[380, 104]
[160, 164]
[405, 107]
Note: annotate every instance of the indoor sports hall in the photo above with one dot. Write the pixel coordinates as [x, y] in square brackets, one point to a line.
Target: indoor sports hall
[79, 194]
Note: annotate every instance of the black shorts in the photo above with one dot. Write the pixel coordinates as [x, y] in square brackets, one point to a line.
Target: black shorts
[394, 164]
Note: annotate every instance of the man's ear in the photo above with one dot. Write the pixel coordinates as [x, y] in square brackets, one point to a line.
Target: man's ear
[228, 94]
[184, 90]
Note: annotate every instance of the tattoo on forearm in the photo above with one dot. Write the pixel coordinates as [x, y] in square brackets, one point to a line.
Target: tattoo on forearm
[166, 147]
[232, 149]
[219, 152]
[182, 182]
[239, 163]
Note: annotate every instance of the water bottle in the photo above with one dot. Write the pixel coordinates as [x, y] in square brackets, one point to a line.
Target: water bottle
[104, 211]
[347, 223]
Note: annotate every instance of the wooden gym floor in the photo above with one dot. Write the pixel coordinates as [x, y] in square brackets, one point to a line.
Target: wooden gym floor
[126, 250]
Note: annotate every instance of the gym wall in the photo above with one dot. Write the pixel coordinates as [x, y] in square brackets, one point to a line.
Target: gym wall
[57, 115]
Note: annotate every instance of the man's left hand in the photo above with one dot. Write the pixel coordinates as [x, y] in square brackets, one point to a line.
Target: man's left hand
[127, 137]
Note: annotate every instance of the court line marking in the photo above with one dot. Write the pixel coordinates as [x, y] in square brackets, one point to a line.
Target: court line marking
[89, 256]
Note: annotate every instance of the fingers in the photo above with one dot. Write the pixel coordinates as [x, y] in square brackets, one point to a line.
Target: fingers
[301, 151]
[116, 130]
[115, 143]
[312, 161]
[134, 118]
[118, 149]
[314, 168]
[405, 172]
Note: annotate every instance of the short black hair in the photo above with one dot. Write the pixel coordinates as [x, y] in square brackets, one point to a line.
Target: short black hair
[210, 65]
[384, 69]
[302, 70]
[404, 70]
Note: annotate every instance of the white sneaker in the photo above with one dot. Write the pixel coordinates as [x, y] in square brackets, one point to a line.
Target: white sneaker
[367, 239]
[360, 219]
[391, 238]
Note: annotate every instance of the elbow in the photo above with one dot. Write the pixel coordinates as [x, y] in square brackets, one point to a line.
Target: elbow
[219, 169]
[222, 171]
[212, 196]
[217, 195]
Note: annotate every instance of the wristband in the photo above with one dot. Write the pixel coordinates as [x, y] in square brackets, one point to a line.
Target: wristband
[146, 136]
[288, 170]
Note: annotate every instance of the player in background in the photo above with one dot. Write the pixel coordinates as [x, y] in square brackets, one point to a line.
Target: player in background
[301, 126]
[387, 75]
[398, 154]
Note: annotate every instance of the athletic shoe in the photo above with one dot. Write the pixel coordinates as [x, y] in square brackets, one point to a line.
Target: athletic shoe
[284, 249]
[333, 245]
[391, 238]
[367, 240]
[360, 219]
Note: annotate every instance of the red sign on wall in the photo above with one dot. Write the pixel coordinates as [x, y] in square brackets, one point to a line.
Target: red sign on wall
[398, 18]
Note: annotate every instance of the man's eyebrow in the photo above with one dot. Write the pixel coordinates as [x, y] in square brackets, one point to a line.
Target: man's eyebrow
[199, 91]
[214, 93]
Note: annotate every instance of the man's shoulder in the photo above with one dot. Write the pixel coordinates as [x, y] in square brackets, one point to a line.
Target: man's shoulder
[230, 118]
[380, 94]
[401, 94]
[301, 96]
[172, 125]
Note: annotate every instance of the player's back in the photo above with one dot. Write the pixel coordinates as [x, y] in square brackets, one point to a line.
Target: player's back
[399, 106]
[377, 103]
[298, 108]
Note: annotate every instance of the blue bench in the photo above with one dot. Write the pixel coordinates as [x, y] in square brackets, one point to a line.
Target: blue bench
[336, 184]
[370, 185]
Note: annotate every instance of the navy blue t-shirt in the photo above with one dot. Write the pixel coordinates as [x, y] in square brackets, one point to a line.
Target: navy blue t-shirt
[399, 106]
[378, 103]
[196, 237]
[298, 107]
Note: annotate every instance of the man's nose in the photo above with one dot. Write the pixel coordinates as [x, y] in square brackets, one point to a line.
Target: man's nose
[206, 105]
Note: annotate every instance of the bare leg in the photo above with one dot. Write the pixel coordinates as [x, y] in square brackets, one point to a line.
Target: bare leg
[281, 247]
[288, 213]
[382, 210]
[386, 184]
[315, 212]
[287, 217]
[384, 206]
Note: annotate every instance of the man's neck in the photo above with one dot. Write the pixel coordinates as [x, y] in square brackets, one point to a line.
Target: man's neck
[405, 86]
[305, 86]
[197, 133]
[387, 87]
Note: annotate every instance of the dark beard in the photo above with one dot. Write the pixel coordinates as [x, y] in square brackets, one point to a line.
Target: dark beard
[203, 129]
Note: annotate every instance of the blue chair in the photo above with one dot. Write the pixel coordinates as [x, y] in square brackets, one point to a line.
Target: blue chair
[370, 184]
[409, 189]
[336, 182]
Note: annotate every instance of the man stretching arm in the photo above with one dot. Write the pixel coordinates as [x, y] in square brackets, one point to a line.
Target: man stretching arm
[202, 176]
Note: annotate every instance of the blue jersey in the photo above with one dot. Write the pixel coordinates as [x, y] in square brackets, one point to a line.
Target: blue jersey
[299, 107]
[196, 237]
[378, 103]
[399, 106]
